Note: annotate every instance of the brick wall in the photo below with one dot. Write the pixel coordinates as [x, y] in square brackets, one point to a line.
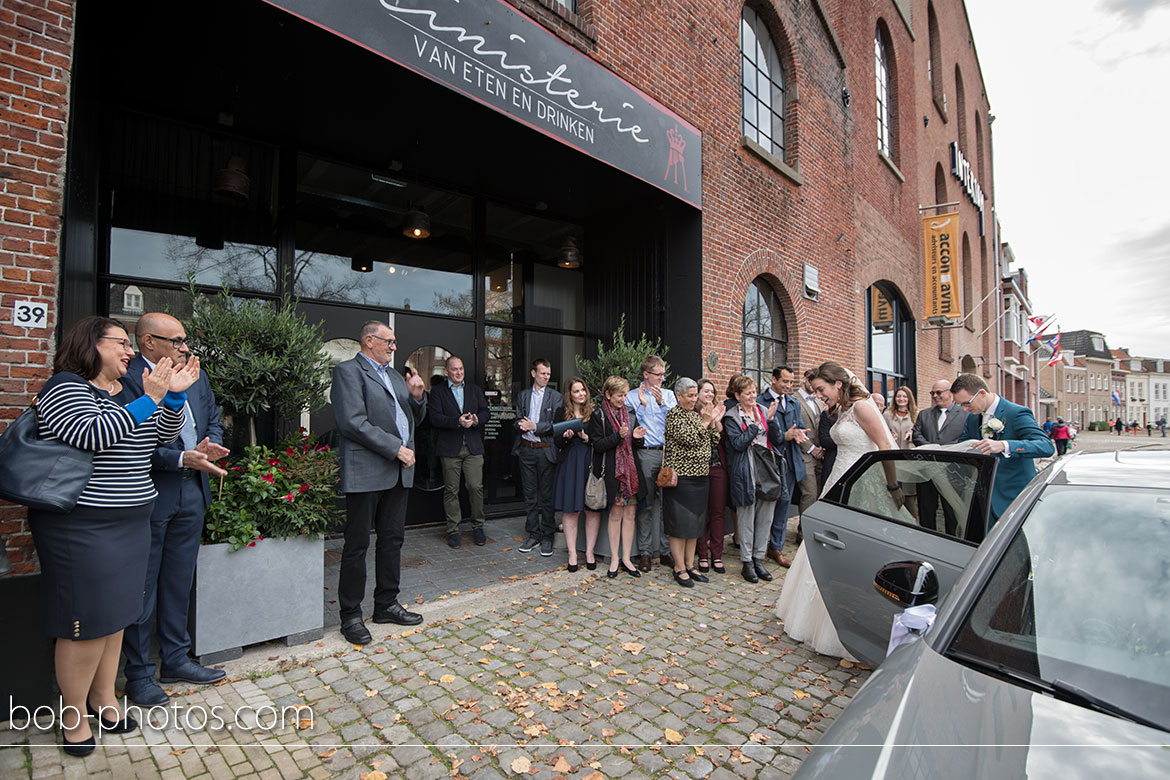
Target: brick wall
[36, 49]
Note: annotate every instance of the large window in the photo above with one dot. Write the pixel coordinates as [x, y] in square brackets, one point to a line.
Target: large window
[885, 111]
[763, 85]
[765, 333]
[890, 342]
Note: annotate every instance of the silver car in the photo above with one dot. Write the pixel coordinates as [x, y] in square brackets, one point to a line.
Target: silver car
[1050, 652]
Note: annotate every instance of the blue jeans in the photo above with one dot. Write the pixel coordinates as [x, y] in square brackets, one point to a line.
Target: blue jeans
[780, 519]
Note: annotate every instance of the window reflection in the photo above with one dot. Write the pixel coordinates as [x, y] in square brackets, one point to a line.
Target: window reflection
[523, 249]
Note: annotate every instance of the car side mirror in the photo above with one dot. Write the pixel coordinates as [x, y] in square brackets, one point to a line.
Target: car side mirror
[907, 583]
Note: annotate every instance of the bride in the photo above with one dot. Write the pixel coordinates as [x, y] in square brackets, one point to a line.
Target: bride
[859, 429]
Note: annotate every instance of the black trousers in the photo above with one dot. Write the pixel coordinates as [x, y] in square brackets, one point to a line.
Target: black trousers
[928, 509]
[536, 479]
[385, 512]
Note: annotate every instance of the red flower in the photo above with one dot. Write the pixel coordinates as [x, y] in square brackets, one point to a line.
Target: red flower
[322, 448]
[269, 478]
[283, 470]
[251, 544]
[290, 452]
[237, 468]
[274, 461]
[302, 489]
[289, 497]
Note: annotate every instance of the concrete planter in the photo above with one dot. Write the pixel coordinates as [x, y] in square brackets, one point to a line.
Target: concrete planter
[271, 591]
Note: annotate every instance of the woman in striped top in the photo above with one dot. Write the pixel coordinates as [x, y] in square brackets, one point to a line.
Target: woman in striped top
[93, 559]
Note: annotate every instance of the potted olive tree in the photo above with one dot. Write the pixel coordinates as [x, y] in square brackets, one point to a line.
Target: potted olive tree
[260, 573]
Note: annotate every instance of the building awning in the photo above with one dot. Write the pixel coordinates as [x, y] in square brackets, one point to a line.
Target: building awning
[498, 57]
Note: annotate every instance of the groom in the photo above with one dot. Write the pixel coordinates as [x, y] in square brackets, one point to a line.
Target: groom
[1005, 429]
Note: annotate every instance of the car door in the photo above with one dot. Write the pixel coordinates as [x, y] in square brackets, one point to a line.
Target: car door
[856, 529]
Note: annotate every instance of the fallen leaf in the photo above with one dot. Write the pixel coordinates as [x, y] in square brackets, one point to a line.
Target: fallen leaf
[377, 774]
[562, 765]
[521, 765]
[327, 753]
[447, 678]
[608, 732]
[633, 647]
[594, 776]
[673, 737]
[682, 686]
[178, 752]
[370, 692]
[756, 736]
[801, 694]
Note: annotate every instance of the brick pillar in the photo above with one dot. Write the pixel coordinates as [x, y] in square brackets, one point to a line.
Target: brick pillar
[36, 54]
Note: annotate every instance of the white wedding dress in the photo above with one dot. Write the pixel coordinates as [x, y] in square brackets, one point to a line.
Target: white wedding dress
[800, 606]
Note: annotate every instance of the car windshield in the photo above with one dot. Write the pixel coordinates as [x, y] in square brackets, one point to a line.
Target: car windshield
[1082, 598]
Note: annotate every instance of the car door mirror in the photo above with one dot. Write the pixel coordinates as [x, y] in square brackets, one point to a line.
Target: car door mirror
[907, 583]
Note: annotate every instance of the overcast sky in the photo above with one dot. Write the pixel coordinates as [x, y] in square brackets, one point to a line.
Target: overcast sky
[1080, 91]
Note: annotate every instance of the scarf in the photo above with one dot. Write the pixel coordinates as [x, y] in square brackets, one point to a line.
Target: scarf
[624, 470]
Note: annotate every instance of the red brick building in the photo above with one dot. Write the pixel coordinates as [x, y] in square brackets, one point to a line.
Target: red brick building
[744, 181]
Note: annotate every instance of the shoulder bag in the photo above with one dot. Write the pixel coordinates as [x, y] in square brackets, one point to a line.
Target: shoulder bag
[769, 468]
[40, 473]
[596, 497]
[666, 475]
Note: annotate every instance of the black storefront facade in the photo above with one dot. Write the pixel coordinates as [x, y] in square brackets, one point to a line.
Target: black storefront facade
[349, 120]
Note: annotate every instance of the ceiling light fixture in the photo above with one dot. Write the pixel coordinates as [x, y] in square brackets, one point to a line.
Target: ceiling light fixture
[570, 254]
[416, 224]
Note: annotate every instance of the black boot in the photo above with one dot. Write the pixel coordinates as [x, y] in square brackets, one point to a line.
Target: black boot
[761, 572]
[749, 572]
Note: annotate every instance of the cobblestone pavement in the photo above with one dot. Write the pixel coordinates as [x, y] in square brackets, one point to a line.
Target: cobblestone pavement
[564, 675]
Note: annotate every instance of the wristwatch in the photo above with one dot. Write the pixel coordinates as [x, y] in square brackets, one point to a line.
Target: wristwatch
[893, 487]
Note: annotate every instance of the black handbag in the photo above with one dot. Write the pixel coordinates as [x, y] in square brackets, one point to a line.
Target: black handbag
[40, 473]
[770, 473]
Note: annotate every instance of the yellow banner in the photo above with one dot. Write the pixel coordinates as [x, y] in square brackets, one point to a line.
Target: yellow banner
[881, 311]
[940, 235]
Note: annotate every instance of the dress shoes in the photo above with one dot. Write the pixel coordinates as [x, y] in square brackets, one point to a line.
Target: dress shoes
[79, 749]
[398, 614]
[530, 544]
[644, 562]
[687, 583]
[698, 576]
[454, 540]
[667, 560]
[632, 571]
[761, 572]
[591, 565]
[480, 536]
[572, 567]
[749, 572]
[718, 567]
[145, 692]
[123, 726]
[778, 557]
[355, 632]
[191, 672]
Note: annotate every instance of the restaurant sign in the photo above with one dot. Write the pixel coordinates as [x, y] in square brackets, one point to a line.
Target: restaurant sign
[497, 56]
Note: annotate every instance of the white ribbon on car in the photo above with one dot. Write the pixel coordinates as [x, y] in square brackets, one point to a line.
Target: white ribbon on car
[910, 624]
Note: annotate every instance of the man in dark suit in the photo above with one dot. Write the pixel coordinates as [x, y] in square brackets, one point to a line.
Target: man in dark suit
[535, 408]
[1009, 431]
[459, 410]
[788, 415]
[179, 471]
[376, 411]
[942, 423]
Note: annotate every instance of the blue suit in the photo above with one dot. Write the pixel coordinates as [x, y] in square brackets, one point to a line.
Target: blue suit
[1025, 440]
[175, 527]
[785, 418]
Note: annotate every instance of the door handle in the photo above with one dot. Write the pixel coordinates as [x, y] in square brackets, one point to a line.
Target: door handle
[830, 541]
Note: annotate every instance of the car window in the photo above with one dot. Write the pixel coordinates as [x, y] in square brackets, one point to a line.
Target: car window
[938, 495]
[1082, 596]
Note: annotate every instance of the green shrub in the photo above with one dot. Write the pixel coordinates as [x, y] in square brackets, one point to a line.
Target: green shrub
[623, 359]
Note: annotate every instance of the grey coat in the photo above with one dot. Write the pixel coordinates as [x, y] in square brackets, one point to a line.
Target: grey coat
[367, 424]
[926, 426]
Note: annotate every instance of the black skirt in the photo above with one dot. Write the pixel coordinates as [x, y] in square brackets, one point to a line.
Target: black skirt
[684, 508]
[93, 568]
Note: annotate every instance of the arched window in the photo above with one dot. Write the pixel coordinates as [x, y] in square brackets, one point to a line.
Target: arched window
[890, 341]
[961, 111]
[979, 148]
[765, 333]
[934, 65]
[940, 184]
[883, 75]
[763, 85]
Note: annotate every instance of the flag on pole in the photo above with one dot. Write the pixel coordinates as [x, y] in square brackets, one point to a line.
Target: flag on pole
[1116, 398]
[1054, 344]
[1038, 325]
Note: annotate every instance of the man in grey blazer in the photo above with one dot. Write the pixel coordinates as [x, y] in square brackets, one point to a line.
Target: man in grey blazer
[376, 411]
[810, 417]
[535, 407]
[942, 423]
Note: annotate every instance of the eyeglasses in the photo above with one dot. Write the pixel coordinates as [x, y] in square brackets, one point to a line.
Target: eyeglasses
[125, 342]
[656, 373]
[938, 392]
[176, 342]
[391, 342]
